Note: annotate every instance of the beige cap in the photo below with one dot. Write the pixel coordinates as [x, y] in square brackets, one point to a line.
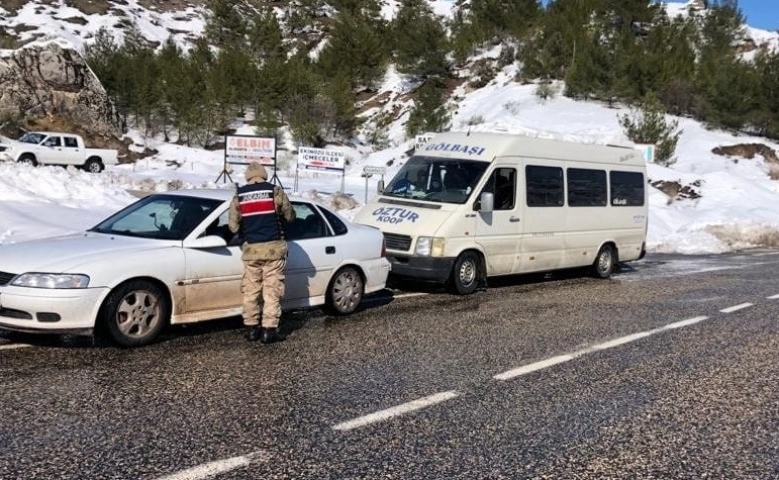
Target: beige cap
[255, 170]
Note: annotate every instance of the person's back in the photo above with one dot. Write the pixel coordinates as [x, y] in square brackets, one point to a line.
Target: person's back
[256, 213]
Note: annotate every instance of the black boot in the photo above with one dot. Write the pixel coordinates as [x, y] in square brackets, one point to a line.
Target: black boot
[254, 333]
[271, 335]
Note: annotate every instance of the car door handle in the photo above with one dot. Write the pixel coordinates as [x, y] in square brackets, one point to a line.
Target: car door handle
[513, 219]
[329, 250]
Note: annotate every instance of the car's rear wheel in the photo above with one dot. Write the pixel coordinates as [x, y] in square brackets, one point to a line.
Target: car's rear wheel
[135, 313]
[93, 165]
[605, 262]
[29, 159]
[345, 291]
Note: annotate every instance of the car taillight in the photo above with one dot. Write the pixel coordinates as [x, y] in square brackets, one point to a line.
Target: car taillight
[383, 248]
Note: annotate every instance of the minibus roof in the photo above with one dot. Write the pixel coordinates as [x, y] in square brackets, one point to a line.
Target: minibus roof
[485, 146]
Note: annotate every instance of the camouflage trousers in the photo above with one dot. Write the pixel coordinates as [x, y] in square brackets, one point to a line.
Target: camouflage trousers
[263, 289]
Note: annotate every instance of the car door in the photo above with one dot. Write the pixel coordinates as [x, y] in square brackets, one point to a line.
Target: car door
[313, 254]
[213, 275]
[51, 150]
[72, 153]
[544, 225]
[498, 232]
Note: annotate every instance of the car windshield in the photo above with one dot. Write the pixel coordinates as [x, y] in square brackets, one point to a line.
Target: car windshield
[436, 179]
[35, 138]
[163, 217]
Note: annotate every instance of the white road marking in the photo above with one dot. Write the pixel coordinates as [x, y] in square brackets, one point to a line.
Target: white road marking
[736, 307]
[211, 469]
[395, 411]
[683, 323]
[773, 297]
[14, 346]
[620, 341]
[550, 362]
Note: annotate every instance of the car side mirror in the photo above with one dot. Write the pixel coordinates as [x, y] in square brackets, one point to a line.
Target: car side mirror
[209, 241]
[486, 202]
[380, 187]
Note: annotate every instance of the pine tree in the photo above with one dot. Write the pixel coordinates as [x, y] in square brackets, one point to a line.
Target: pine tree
[225, 25]
[670, 63]
[354, 50]
[767, 115]
[429, 113]
[648, 125]
[504, 18]
[265, 37]
[420, 42]
[339, 90]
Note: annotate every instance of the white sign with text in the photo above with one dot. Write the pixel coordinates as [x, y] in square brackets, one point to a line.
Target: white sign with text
[320, 159]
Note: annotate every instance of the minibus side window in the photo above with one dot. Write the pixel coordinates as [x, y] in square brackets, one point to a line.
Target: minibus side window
[544, 186]
[586, 187]
[503, 184]
[627, 189]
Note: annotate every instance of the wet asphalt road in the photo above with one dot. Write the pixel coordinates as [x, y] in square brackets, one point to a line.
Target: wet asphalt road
[698, 401]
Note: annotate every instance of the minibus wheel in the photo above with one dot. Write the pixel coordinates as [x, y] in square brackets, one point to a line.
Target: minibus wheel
[465, 274]
[605, 262]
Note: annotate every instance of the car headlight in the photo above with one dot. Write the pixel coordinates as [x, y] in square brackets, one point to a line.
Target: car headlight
[430, 246]
[51, 280]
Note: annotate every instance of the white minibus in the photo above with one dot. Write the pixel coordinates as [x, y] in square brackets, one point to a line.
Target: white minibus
[468, 206]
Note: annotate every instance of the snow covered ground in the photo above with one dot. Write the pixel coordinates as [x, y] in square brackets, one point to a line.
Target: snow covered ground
[738, 205]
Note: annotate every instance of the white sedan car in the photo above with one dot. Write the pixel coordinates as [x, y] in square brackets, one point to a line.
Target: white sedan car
[169, 258]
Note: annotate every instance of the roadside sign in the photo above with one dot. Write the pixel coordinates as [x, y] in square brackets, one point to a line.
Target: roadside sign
[369, 171]
[648, 151]
[244, 149]
[421, 140]
[321, 159]
[372, 170]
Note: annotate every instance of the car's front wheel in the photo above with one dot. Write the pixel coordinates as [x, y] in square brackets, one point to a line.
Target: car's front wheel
[345, 291]
[29, 159]
[135, 313]
[465, 274]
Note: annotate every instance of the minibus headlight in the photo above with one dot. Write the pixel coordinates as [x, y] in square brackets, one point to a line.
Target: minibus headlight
[424, 245]
[430, 247]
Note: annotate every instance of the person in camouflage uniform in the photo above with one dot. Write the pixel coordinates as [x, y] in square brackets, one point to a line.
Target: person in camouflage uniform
[256, 214]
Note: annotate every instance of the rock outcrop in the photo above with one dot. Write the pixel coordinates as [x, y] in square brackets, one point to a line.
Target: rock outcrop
[52, 81]
[748, 150]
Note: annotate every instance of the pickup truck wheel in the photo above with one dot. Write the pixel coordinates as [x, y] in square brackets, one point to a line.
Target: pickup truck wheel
[29, 159]
[93, 165]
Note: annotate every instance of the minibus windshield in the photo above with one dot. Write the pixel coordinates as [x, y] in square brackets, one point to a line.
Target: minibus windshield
[436, 179]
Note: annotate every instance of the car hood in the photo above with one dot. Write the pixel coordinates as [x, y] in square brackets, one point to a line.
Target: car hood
[407, 217]
[67, 253]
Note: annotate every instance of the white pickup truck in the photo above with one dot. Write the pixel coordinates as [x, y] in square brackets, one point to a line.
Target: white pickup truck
[53, 148]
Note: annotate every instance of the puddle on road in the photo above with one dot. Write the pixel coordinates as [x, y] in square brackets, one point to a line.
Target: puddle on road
[679, 265]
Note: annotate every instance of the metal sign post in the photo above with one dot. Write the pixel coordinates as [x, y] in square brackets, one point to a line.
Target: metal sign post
[368, 171]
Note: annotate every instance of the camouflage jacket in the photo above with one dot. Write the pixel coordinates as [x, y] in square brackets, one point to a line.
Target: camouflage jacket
[272, 250]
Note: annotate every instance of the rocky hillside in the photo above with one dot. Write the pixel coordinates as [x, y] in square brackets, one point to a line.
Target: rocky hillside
[78, 21]
[22, 21]
[52, 82]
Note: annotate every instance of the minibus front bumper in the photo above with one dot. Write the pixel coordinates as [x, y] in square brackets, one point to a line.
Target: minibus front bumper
[432, 269]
